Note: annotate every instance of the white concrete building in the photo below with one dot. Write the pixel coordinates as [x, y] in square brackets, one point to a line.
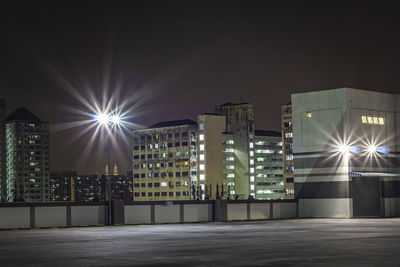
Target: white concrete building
[346, 153]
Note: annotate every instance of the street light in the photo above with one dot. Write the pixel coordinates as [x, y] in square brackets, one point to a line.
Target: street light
[106, 120]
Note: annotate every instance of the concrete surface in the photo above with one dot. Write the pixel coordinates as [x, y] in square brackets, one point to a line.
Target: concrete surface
[303, 242]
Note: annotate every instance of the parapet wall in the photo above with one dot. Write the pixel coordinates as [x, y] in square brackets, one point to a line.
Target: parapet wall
[42, 215]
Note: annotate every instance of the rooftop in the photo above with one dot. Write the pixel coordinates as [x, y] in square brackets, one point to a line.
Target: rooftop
[172, 123]
[233, 104]
[22, 114]
[267, 133]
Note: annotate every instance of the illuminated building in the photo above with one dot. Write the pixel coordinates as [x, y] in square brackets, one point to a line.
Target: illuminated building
[240, 130]
[267, 180]
[27, 160]
[287, 149]
[165, 161]
[219, 153]
[345, 148]
[3, 191]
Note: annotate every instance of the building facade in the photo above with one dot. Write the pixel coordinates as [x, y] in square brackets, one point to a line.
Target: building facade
[287, 149]
[268, 178]
[165, 161]
[3, 191]
[240, 129]
[218, 152]
[27, 149]
[346, 153]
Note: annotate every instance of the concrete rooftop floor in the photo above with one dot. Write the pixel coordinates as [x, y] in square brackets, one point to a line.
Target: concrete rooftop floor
[303, 242]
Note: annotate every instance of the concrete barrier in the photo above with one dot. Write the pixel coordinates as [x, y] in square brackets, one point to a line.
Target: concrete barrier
[51, 216]
[197, 213]
[55, 214]
[137, 214]
[260, 211]
[167, 213]
[87, 215]
[15, 217]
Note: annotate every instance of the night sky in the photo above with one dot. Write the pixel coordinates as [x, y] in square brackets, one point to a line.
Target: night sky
[170, 60]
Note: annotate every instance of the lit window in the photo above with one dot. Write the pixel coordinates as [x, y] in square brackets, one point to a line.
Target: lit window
[202, 186]
[232, 192]
[252, 162]
[202, 177]
[201, 126]
[201, 147]
[251, 178]
[230, 175]
[163, 183]
[376, 121]
[230, 167]
[155, 146]
[252, 194]
[201, 156]
[251, 170]
[252, 187]
[290, 135]
[229, 150]
[289, 157]
[201, 167]
[381, 121]
[231, 184]
[251, 145]
[230, 142]
[364, 119]
[251, 153]
[201, 137]
[370, 120]
[309, 114]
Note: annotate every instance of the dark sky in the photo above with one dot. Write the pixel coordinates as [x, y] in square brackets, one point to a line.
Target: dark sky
[172, 60]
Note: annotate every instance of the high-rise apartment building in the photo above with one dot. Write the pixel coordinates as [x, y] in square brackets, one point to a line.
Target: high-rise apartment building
[287, 145]
[267, 183]
[165, 161]
[240, 130]
[212, 173]
[3, 191]
[27, 146]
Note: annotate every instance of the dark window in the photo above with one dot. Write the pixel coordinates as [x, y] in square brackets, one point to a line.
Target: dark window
[143, 194]
[141, 147]
[156, 184]
[170, 164]
[136, 148]
[149, 185]
[163, 174]
[136, 175]
[176, 134]
[289, 180]
[184, 143]
[142, 156]
[136, 185]
[156, 174]
[136, 194]
[184, 134]
[171, 194]
[136, 157]
[178, 183]
[184, 174]
[169, 144]
[149, 156]
[143, 185]
[178, 194]
[156, 194]
[143, 175]
[177, 143]
[156, 156]
[170, 135]
[185, 193]
[170, 174]
[178, 174]
[150, 194]
[164, 194]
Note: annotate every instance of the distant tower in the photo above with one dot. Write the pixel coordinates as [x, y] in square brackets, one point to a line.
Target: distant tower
[115, 172]
[106, 171]
[27, 168]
